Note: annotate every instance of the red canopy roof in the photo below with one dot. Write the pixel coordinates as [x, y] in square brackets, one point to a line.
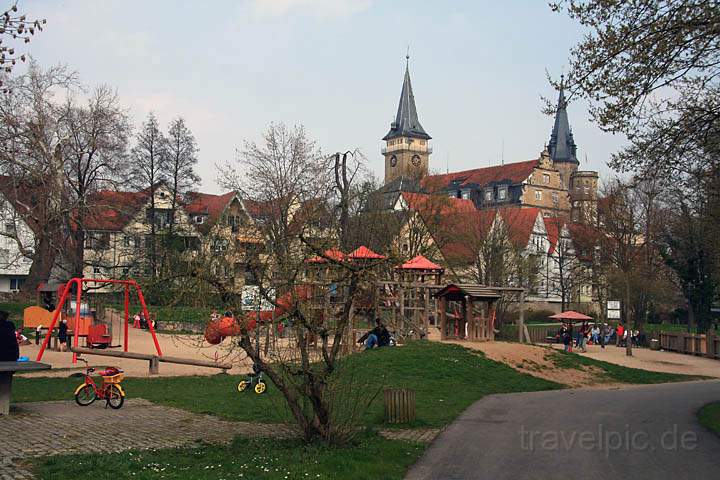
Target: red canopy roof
[332, 253]
[420, 263]
[570, 315]
[364, 253]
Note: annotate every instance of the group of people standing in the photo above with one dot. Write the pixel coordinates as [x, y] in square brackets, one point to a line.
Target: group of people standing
[597, 334]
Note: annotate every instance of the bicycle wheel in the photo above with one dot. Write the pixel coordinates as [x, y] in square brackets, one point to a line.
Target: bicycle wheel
[260, 388]
[114, 397]
[242, 386]
[85, 395]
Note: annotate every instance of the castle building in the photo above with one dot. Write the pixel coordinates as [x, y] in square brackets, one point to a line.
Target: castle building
[551, 182]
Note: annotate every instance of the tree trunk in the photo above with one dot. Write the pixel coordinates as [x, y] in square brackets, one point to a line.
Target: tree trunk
[628, 329]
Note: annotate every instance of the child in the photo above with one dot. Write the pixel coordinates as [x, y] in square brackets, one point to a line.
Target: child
[62, 336]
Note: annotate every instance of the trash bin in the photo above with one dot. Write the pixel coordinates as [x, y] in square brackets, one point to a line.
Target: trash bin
[654, 344]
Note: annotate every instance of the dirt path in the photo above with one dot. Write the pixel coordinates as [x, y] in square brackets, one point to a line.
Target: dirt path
[534, 360]
[655, 361]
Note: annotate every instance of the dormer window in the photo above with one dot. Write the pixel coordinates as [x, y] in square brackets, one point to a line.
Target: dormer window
[488, 195]
[199, 219]
[502, 193]
[546, 178]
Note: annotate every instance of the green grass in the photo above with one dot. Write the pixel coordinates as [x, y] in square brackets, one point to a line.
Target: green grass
[446, 378]
[611, 372]
[709, 417]
[370, 457]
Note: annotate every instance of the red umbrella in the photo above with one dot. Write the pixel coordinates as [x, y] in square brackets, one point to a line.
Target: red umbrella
[571, 315]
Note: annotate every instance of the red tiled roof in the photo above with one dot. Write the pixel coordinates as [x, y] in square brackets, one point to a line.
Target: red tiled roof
[364, 253]
[108, 210]
[420, 263]
[426, 204]
[512, 173]
[460, 235]
[332, 253]
[208, 204]
[519, 223]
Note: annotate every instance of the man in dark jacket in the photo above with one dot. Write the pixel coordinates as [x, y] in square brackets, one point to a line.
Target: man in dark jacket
[377, 336]
[9, 349]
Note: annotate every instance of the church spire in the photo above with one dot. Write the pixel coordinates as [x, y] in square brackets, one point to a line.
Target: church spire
[406, 122]
[562, 144]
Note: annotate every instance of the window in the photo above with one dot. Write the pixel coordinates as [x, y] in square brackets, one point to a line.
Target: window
[538, 195]
[488, 195]
[15, 283]
[126, 271]
[128, 241]
[502, 193]
[97, 240]
[554, 197]
[546, 178]
[405, 248]
[465, 195]
[10, 229]
[199, 219]
[97, 270]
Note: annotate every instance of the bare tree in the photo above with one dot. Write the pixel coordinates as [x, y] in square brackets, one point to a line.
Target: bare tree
[33, 156]
[149, 169]
[15, 27]
[97, 136]
[182, 160]
[291, 186]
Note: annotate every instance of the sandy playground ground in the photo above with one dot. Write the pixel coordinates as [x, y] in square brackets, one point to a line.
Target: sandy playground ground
[184, 346]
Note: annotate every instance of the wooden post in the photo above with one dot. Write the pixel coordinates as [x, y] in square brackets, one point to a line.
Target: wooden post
[154, 365]
[521, 317]
[443, 318]
[491, 320]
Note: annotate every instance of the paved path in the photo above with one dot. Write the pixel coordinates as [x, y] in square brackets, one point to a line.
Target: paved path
[49, 428]
[631, 433]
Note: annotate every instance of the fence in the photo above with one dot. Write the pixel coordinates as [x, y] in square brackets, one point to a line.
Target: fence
[538, 333]
[707, 345]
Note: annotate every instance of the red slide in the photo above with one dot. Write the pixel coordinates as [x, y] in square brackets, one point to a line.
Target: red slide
[217, 330]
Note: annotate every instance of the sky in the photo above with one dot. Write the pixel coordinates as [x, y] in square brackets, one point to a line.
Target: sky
[230, 68]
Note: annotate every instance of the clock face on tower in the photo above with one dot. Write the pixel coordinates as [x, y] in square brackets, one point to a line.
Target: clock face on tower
[393, 161]
[416, 160]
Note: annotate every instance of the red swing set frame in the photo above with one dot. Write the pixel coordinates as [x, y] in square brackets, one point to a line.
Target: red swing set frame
[79, 282]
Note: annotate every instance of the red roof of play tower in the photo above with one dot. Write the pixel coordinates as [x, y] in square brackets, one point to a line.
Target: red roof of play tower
[364, 253]
[420, 263]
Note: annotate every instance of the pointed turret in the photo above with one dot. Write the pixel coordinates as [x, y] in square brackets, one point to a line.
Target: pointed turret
[406, 122]
[562, 146]
[407, 149]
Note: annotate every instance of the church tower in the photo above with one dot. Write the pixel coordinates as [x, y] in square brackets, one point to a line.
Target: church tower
[407, 148]
[562, 148]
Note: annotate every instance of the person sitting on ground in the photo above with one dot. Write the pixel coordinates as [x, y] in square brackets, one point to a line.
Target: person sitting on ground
[9, 348]
[377, 336]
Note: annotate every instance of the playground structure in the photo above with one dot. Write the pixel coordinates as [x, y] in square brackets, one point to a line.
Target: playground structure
[78, 283]
[406, 304]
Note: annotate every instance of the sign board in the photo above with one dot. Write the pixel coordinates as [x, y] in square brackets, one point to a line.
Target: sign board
[613, 314]
[250, 299]
[613, 305]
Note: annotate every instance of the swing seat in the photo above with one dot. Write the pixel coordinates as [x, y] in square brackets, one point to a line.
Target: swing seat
[98, 336]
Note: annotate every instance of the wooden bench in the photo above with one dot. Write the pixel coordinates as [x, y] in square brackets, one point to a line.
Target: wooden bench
[7, 369]
[153, 359]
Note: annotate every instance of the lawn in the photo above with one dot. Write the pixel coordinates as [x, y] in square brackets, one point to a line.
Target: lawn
[446, 378]
[709, 416]
[370, 457]
[616, 373]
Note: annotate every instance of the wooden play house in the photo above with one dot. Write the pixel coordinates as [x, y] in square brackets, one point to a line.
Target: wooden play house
[467, 312]
[406, 303]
